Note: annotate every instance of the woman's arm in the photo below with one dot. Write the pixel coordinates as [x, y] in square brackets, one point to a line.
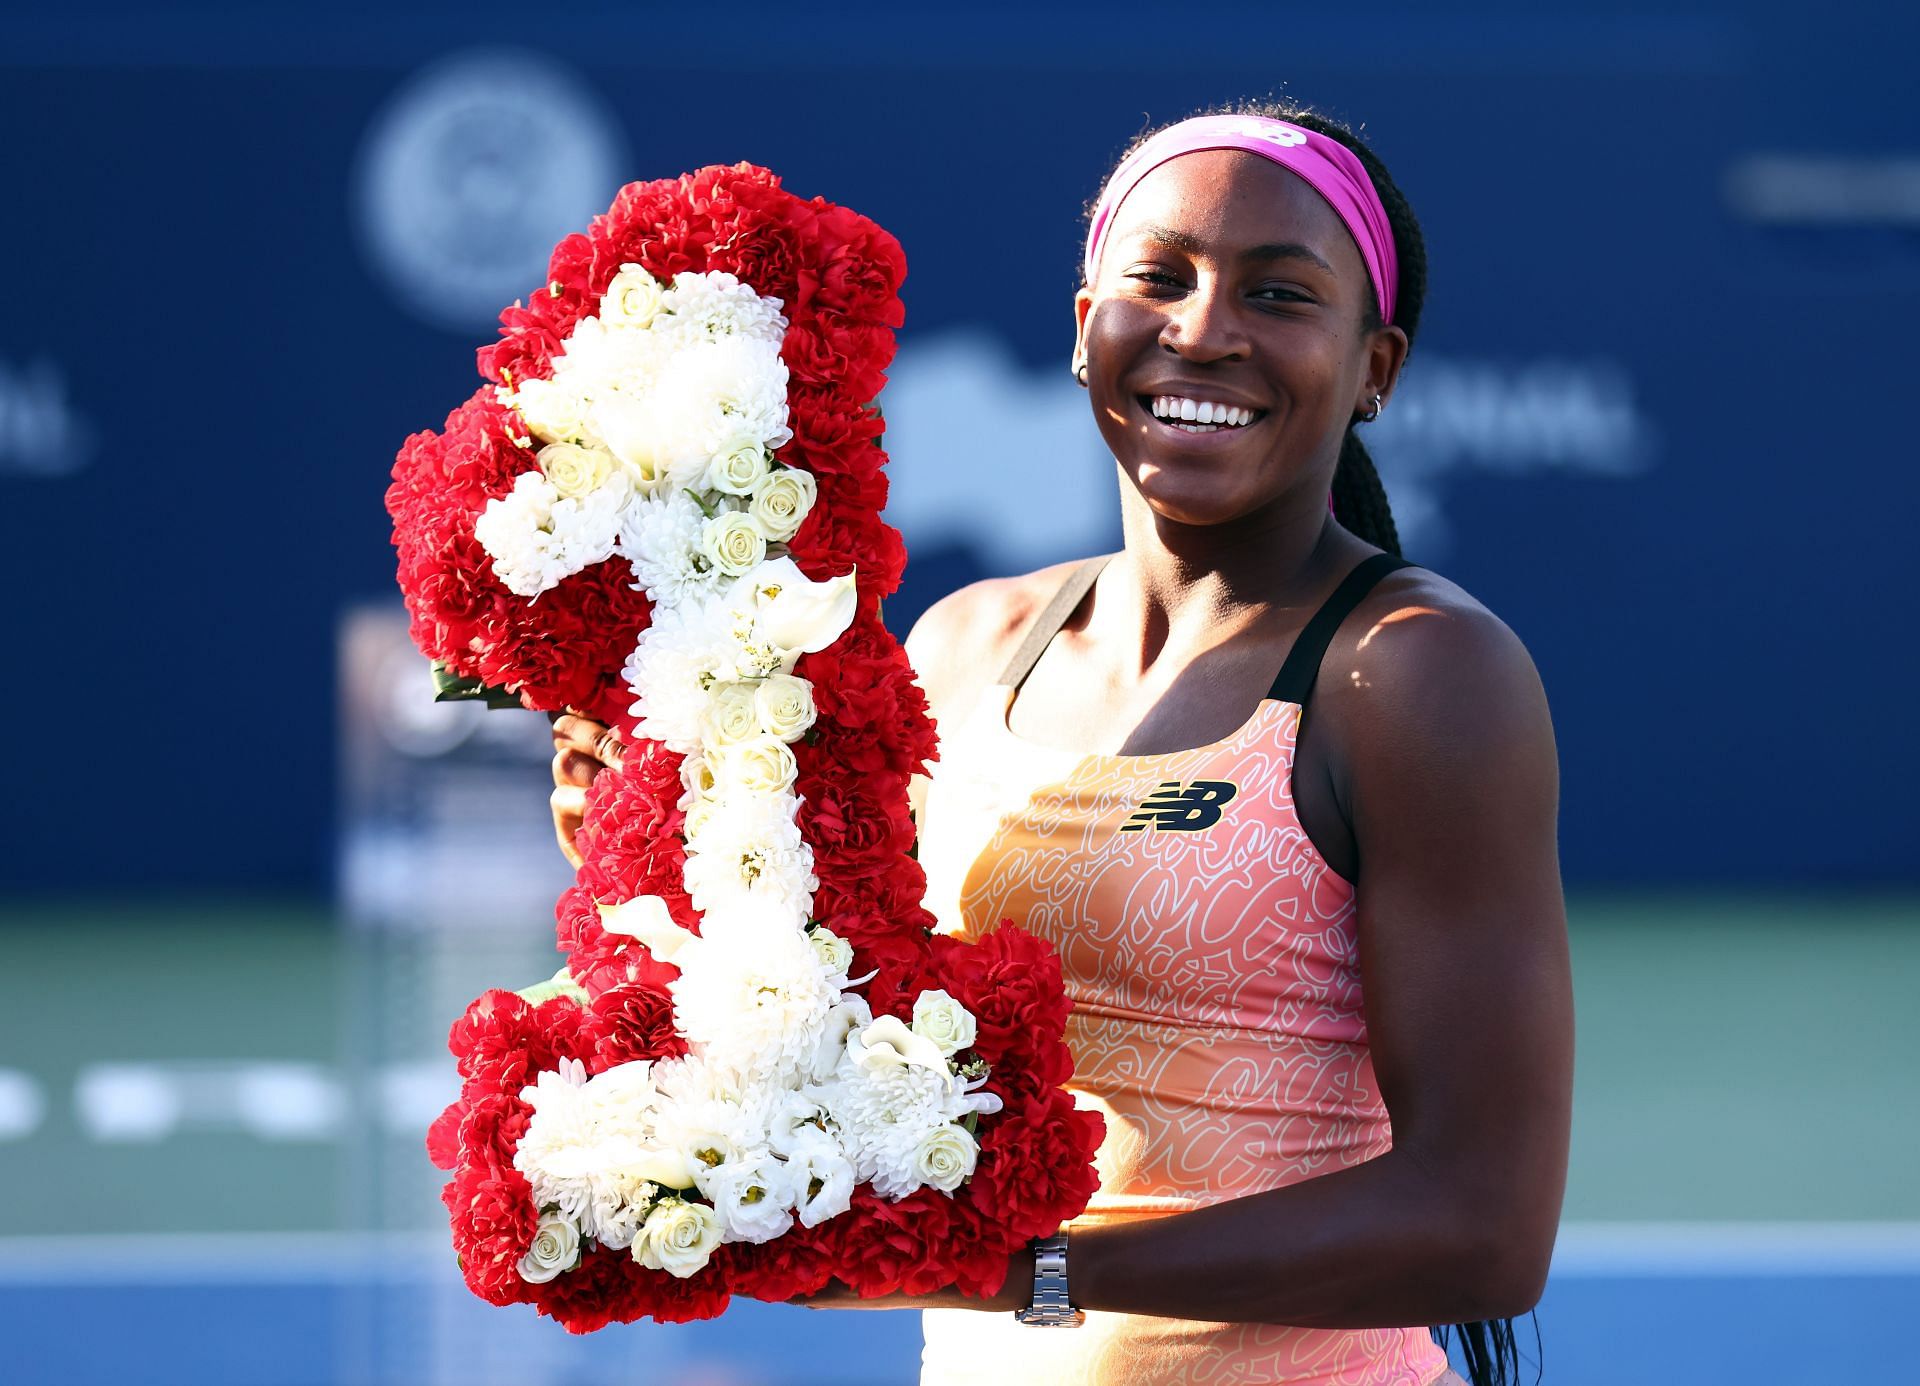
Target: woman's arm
[1450, 772]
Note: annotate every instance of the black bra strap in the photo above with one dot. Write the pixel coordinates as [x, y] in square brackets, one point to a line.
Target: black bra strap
[1053, 616]
[1297, 675]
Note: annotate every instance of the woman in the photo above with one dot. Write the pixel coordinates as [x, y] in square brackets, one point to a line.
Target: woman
[1319, 962]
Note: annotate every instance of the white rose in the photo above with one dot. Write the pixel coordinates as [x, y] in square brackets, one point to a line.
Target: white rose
[785, 706]
[699, 817]
[940, 1018]
[573, 470]
[646, 918]
[945, 1157]
[556, 1248]
[781, 500]
[733, 715]
[678, 1237]
[632, 299]
[553, 412]
[762, 765]
[793, 614]
[736, 468]
[836, 955]
[733, 543]
[888, 1043]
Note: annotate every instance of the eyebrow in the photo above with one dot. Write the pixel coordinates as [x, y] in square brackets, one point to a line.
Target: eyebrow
[1272, 250]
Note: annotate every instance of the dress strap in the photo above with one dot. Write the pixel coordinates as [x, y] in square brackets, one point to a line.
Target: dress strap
[1296, 678]
[1053, 616]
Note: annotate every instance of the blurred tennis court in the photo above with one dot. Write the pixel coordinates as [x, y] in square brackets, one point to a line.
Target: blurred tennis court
[219, 1175]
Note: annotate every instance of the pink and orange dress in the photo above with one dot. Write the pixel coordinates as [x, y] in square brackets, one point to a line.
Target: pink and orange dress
[1212, 959]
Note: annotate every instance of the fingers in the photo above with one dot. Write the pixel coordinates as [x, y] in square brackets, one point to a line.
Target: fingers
[574, 768]
[569, 808]
[589, 738]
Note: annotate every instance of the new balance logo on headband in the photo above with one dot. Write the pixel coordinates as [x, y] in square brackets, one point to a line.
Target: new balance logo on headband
[1182, 808]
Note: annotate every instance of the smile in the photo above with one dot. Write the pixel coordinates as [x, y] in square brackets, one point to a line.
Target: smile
[1199, 415]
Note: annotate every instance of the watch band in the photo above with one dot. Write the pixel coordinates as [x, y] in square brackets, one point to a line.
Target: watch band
[1051, 1307]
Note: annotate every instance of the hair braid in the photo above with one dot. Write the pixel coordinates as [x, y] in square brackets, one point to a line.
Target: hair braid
[1489, 1351]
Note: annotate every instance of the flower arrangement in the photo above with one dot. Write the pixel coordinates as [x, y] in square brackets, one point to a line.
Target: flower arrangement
[759, 1068]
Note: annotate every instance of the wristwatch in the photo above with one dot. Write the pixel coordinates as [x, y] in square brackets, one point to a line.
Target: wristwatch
[1050, 1308]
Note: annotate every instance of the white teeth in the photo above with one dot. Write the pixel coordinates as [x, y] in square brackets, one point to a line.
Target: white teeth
[1198, 415]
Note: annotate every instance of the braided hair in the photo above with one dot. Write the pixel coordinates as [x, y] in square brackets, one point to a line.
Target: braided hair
[1490, 1352]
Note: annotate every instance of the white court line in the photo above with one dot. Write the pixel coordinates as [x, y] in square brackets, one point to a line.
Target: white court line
[1584, 1250]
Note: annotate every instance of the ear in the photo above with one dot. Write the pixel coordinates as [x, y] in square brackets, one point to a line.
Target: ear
[1386, 354]
[1082, 312]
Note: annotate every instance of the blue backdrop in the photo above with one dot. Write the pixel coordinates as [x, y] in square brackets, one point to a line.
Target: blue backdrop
[1654, 418]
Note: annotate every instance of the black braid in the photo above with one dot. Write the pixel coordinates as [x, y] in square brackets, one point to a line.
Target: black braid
[1491, 1355]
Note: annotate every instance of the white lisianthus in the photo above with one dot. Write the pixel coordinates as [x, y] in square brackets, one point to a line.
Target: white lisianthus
[792, 614]
[574, 470]
[822, 1180]
[785, 706]
[836, 954]
[759, 765]
[733, 543]
[781, 502]
[678, 1237]
[737, 468]
[646, 918]
[888, 1043]
[945, 1157]
[733, 714]
[554, 413]
[940, 1018]
[753, 1196]
[632, 299]
[556, 1248]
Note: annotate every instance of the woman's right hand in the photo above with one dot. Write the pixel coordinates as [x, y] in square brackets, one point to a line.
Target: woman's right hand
[582, 748]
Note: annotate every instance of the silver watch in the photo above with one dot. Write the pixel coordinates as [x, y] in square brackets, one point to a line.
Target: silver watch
[1050, 1308]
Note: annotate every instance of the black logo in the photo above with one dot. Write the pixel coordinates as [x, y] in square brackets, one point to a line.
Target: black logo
[1178, 808]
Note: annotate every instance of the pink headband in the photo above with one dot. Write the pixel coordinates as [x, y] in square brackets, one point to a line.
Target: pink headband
[1329, 167]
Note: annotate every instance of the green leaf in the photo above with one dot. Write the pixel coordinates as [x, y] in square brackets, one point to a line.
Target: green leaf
[449, 687]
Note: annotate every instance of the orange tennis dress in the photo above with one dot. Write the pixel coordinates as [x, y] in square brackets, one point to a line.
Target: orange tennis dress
[1211, 956]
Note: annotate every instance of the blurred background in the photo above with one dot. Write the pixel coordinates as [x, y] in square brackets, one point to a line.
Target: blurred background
[249, 872]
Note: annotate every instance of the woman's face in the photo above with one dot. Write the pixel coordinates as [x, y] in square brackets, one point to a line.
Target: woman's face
[1229, 290]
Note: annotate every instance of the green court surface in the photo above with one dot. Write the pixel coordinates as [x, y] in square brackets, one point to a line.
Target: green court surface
[1739, 1059]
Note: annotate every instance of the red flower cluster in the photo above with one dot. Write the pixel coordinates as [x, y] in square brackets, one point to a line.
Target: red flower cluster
[838, 276]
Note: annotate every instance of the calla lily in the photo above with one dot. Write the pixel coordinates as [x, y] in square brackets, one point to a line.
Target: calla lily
[889, 1043]
[645, 917]
[792, 613]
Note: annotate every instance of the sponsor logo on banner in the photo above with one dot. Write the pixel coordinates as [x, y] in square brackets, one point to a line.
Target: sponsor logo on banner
[472, 172]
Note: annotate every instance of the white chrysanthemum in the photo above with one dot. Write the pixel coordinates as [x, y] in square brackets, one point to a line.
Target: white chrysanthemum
[660, 535]
[684, 651]
[560, 1148]
[718, 395]
[753, 1194]
[714, 306]
[884, 1114]
[750, 852]
[758, 1004]
[536, 537]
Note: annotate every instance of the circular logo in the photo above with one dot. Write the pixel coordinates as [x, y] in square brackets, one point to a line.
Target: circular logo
[472, 171]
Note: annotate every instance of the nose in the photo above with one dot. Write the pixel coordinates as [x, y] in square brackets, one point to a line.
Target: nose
[1204, 325]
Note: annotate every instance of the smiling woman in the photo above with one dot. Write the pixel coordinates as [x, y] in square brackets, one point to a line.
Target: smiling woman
[1319, 963]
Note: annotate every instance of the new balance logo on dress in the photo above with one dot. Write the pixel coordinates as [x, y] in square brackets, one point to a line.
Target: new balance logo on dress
[1182, 808]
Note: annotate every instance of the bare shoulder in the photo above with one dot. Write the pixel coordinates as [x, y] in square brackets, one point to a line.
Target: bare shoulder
[963, 640]
[1422, 660]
